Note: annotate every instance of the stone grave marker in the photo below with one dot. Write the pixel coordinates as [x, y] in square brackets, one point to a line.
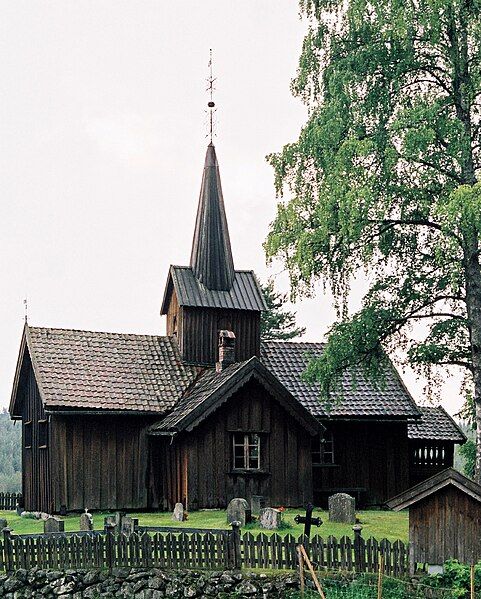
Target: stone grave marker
[86, 521]
[270, 518]
[128, 525]
[53, 524]
[178, 513]
[3, 523]
[342, 508]
[257, 503]
[238, 510]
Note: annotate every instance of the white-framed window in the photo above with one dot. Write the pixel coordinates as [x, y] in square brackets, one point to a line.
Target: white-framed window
[323, 449]
[246, 451]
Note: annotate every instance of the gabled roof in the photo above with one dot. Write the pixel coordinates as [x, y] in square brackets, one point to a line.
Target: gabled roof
[432, 485]
[211, 258]
[244, 294]
[105, 371]
[288, 360]
[215, 388]
[435, 424]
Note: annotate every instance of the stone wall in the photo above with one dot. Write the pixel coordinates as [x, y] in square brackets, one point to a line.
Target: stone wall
[124, 583]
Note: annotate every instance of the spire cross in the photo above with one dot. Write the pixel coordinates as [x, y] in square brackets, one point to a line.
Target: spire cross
[211, 103]
[25, 303]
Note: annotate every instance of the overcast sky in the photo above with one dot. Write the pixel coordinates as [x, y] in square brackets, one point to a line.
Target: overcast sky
[102, 142]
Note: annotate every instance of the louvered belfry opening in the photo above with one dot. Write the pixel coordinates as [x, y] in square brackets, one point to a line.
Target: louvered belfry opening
[211, 259]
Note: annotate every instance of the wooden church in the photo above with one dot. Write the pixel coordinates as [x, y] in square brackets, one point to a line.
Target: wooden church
[208, 412]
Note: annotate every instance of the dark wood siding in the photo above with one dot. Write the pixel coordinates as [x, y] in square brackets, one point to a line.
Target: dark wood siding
[197, 331]
[37, 490]
[205, 456]
[445, 525]
[100, 462]
[367, 455]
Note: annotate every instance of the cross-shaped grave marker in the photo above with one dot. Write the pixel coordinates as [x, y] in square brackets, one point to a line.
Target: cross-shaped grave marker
[308, 520]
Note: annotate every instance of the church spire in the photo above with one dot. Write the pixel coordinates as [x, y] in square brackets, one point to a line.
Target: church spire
[211, 258]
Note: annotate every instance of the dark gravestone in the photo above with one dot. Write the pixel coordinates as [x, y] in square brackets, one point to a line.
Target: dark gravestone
[238, 510]
[128, 525]
[53, 524]
[342, 508]
[3, 523]
[257, 503]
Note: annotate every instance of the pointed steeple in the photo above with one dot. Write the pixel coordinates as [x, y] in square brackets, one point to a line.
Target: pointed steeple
[211, 257]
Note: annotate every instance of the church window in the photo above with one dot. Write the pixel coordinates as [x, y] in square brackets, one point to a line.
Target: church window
[323, 449]
[247, 451]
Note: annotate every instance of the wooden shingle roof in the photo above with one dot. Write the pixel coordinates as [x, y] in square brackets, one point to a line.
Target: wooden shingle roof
[448, 477]
[106, 371]
[435, 424]
[213, 389]
[360, 398]
[244, 294]
[211, 258]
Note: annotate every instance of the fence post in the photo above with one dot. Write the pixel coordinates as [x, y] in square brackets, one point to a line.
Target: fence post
[234, 547]
[7, 547]
[109, 545]
[358, 548]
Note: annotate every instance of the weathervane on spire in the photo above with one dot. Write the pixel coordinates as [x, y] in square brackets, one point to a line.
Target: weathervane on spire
[211, 104]
[25, 303]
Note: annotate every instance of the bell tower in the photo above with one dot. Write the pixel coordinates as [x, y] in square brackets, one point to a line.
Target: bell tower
[209, 295]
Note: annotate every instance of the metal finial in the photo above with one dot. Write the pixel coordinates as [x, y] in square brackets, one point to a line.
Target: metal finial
[25, 303]
[211, 104]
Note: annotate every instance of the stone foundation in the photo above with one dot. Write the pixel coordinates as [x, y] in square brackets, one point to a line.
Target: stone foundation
[125, 583]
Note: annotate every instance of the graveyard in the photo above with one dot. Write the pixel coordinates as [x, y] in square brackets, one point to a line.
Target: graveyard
[376, 523]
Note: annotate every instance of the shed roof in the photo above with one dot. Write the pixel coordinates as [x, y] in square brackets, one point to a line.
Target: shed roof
[359, 397]
[435, 424]
[213, 389]
[432, 485]
[105, 371]
[244, 294]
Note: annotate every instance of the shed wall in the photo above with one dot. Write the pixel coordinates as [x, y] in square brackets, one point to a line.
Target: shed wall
[445, 525]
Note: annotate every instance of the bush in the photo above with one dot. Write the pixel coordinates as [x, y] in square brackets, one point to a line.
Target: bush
[457, 577]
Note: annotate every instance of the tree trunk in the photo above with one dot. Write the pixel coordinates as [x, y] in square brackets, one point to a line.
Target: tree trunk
[473, 306]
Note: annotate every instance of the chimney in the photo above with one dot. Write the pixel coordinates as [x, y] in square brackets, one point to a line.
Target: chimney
[226, 350]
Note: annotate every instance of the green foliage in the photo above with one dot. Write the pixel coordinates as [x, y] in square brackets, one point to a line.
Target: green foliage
[277, 323]
[382, 182]
[10, 454]
[468, 451]
[456, 577]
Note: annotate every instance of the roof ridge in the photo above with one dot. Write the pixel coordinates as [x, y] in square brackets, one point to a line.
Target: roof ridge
[68, 330]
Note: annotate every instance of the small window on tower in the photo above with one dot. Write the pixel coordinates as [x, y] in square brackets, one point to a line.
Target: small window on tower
[174, 326]
[27, 435]
[42, 433]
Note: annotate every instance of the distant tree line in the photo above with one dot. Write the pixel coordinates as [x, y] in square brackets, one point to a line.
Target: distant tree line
[10, 454]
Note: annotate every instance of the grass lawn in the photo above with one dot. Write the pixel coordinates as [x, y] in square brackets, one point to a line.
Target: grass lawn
[378, 524]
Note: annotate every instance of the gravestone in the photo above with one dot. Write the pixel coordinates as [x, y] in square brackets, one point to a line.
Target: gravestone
[3, 523]
[178, 513]
[114, 521]
[257, 503]
[342, 508]
[270, 518]
[238, 510]
[53, 524]
[86, 521]
[128, 525]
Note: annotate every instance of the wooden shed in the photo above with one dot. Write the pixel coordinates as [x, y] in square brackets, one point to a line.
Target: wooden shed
[444, 518]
